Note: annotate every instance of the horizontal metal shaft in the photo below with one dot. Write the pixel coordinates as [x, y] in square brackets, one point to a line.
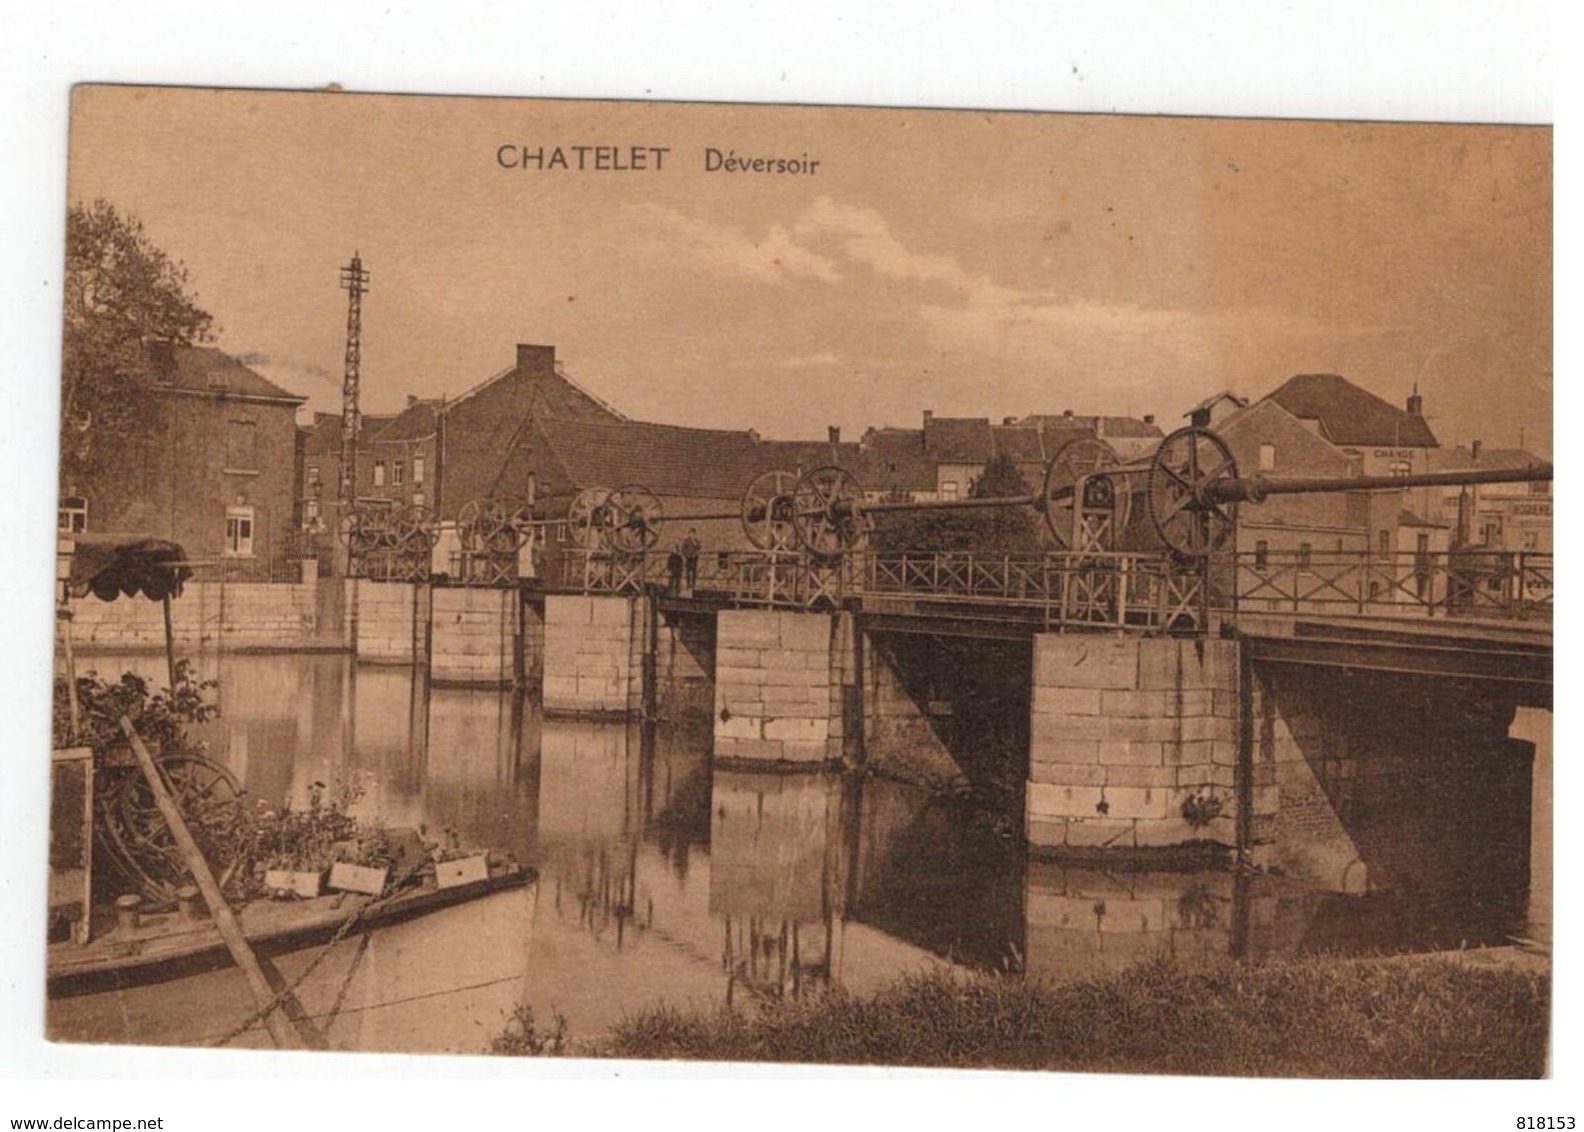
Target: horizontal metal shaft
[1255, 488]
[947, 504]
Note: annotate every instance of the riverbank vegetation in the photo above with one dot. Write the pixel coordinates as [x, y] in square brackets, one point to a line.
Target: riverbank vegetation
[1312, 1018]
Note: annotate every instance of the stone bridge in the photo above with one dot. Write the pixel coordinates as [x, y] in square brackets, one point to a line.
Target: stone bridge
[1365, 724]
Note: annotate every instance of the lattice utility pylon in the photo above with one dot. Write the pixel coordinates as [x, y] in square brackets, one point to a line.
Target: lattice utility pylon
[354, 280]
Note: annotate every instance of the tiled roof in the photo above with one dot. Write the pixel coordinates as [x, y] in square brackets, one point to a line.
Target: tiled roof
[1020, 442]
[893, 460]
[204, 369]
[1351, 415]
[414, 422]
[1121, 427]
[1211, 401]
[957, 440]
[667, 459]
[1461, 458]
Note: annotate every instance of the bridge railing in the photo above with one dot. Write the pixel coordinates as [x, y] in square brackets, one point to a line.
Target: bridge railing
[1120, 589]
[743, 577]
[1117, 589]
[1465, 583]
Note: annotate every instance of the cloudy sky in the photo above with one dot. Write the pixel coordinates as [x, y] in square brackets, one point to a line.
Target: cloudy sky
[970, 263]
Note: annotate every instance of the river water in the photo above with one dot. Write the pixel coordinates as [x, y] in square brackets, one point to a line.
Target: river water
[663, 878]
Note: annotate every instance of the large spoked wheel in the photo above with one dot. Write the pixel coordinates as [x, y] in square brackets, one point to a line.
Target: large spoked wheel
[635, 518]
[1076, 461]
[767, 509]
[415, 530]
[588, 517]
[488, 527]
[827, 515]
[135, 833]
[1188, 466]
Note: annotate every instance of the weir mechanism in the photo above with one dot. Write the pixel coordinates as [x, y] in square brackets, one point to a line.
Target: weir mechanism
[1182, 500]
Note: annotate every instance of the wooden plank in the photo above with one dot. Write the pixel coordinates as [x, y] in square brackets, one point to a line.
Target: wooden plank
[224, 919]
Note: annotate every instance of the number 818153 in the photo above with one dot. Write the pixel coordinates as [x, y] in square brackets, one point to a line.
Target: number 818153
[1545, 1123]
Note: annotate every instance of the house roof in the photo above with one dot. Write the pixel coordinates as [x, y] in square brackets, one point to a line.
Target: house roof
[1022, 443]
[893, 460]
[667, 459]
[1351, 415]
[957, 440]
[1101, 426]
[1461, 458]
[204, 369]
[414, 422]
[1211, 401]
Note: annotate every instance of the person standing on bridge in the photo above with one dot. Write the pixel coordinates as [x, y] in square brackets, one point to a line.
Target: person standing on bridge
[690, 557]
[674, 572]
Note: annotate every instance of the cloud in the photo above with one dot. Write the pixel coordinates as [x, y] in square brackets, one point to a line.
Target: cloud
[731, 251]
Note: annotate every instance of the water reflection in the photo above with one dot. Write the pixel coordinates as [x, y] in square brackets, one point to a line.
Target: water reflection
[664, 879]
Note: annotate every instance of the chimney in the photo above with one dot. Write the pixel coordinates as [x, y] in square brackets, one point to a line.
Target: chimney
[1067, 414]
[835, 433]
[412, 399]
[1415, 402]
[1008, 421]
[535, 361]
[1149, 418]
[929, 415]
[1474, 447]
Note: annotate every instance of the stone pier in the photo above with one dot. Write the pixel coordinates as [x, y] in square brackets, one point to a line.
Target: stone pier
[775, 696]
[1133, 743]
[593, 655]
[474, 636]
[392, 622]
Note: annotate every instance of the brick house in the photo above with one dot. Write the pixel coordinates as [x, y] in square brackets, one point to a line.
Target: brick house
[216, 473]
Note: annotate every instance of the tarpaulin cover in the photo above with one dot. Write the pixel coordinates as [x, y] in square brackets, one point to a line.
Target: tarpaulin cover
[108, 566]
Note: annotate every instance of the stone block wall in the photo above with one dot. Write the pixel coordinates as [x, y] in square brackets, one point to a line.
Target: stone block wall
[392, 628]
[1123, 732]
[592, 664]
[773, 687]
[473, 638]
[207, 614]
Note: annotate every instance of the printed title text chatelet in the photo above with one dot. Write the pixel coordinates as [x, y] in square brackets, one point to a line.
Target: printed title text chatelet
[646, 159]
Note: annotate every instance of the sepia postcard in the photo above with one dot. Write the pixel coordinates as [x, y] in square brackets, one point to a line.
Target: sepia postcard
[803, 584]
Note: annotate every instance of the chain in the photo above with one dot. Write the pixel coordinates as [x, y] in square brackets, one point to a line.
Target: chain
[288, 992]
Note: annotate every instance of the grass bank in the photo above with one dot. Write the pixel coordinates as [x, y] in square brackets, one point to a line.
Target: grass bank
[1314, 1018]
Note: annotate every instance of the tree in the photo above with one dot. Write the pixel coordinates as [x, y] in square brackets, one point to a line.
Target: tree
[999, 530]
[124, 298]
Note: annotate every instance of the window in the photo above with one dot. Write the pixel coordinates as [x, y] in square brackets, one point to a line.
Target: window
[1261, 555]
[398, 473]
[1401, 467]
[1385, 544]
[241, 439]
[313, 479]
[418, 469]
[948, 489]
[418, 499]
[379, 473]
[239, 532]
[72, 518]
[1305, 554]
[310, 512]
[1267, 457]
[1531, 540]
[560, 532]
[1540, 487]
[1492, 532]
